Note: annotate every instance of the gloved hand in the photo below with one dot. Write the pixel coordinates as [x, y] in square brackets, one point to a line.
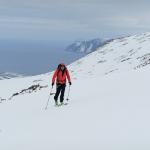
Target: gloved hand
[70, 83]
[53, 84]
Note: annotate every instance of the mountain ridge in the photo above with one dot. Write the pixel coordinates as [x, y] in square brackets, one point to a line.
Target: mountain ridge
[9, 75]
[86, 46]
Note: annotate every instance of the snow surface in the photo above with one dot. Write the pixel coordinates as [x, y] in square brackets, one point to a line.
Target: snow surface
[106, 111]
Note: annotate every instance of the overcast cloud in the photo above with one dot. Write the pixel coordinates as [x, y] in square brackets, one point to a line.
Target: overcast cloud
[69, 20]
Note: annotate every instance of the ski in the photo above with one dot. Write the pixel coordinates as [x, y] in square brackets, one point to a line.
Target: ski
[59, 105]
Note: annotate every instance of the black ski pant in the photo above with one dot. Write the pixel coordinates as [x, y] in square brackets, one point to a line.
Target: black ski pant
[60, 88]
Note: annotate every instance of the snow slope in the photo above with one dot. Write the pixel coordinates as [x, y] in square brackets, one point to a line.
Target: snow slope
[105, 111]
[120, 55]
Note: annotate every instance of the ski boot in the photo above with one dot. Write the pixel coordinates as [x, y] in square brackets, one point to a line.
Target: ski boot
[61, 103]
[56, 103]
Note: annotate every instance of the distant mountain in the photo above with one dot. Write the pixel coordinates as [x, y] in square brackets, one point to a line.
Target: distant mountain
[86, 46]
[8, 75]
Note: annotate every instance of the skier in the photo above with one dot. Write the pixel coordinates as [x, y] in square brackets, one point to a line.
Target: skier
[60, 76]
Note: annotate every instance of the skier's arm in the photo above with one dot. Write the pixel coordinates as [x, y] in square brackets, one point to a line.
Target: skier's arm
[54, 77]
[68, 76]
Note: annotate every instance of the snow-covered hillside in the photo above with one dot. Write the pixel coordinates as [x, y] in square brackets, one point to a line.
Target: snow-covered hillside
[108, 109]
[120, 55]
[86, 46]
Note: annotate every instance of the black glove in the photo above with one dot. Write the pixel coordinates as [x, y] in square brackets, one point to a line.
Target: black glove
[70, 83]
[53, 84]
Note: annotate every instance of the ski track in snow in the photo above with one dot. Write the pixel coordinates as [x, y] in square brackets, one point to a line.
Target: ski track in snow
[108, 109]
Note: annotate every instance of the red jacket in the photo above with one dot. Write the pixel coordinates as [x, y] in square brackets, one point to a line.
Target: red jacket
[61, 78]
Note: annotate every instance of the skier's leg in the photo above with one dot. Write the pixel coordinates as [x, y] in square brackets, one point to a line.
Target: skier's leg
[62, 93]
[58, 89]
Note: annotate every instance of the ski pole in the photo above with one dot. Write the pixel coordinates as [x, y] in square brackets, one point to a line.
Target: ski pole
[49, 98]
[68, 94]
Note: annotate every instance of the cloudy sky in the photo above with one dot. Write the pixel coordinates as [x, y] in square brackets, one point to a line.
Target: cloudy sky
[63, 21]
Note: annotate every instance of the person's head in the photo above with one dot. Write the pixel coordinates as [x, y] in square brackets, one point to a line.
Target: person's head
[61, 66]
